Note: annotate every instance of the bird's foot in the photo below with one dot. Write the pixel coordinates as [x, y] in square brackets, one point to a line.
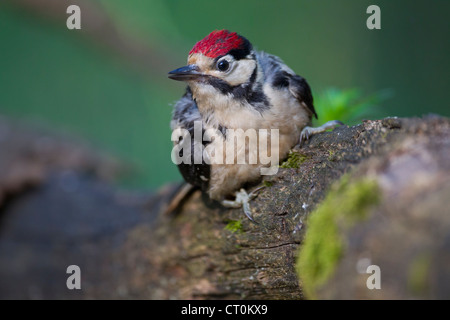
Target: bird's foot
[307, 132]
[243, 200]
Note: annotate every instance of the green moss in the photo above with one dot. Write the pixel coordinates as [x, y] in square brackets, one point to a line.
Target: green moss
[331, 156]
[267, 183]
[235, 226]
[418, 274]
[294, 160]
[347, 203]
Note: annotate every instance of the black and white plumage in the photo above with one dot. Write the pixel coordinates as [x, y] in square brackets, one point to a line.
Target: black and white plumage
[232, 86]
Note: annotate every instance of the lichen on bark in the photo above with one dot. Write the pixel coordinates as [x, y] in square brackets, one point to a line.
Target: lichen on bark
[347, 203]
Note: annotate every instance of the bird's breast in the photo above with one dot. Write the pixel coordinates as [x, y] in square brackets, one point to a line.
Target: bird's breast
[240, 122]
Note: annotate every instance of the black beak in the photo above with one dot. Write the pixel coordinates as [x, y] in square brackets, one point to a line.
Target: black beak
[189, 72]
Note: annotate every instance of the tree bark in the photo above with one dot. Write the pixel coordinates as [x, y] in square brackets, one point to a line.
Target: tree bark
[126, 249]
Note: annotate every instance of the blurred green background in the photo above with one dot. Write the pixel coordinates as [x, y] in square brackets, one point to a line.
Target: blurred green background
[108, 82]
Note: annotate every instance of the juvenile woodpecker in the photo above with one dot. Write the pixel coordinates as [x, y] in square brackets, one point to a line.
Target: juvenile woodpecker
[232, 86]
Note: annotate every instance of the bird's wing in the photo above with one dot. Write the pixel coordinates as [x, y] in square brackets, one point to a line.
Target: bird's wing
[281, 76]
[185, 114]
[302, 92]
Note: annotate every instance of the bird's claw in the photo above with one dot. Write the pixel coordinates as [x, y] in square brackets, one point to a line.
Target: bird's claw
[305, 135]
[255, 192]
[243, 200]
[307, 132]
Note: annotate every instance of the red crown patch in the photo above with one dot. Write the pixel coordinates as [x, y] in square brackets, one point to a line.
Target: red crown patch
[218, 43]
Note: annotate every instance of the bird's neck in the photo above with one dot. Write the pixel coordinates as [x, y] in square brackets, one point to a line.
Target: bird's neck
[210, 98]
[224, 110]
[213, 105]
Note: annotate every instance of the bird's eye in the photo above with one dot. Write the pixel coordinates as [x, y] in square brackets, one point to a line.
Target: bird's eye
[223, 65]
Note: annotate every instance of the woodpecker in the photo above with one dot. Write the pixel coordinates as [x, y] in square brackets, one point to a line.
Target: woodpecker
[232, 86]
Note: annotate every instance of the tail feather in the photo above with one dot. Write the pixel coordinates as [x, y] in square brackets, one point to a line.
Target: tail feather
[177, 197]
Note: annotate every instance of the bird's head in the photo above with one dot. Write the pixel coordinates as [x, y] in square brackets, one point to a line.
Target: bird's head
[222, 59]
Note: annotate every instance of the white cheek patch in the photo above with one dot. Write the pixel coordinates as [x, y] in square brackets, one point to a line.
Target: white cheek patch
[241, 73]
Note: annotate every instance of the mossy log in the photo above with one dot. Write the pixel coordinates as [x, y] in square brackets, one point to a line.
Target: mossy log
[375, 193]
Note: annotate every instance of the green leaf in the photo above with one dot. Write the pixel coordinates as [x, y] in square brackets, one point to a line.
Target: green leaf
[350, 106]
